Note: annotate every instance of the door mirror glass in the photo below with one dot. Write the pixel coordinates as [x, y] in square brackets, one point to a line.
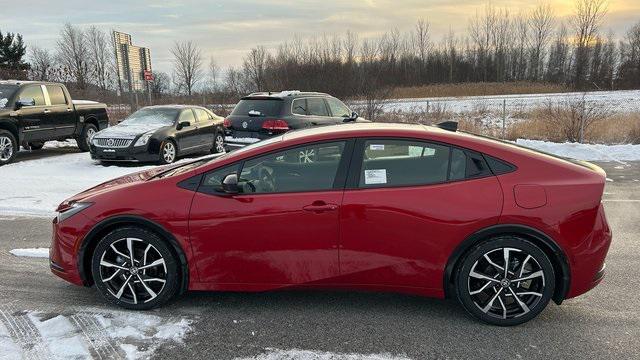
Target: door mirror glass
[183, 124]
[25, 102]
[230, 184]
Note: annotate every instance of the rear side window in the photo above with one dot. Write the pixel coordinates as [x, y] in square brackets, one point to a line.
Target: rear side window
[403, 162]
[316, 107]
[258, 107]
[35, 93]
[201, 115]
[56, 95]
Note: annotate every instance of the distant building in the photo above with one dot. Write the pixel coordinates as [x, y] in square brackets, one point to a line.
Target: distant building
[132, 62]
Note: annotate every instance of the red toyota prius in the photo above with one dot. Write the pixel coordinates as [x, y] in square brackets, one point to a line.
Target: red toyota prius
[376, 207]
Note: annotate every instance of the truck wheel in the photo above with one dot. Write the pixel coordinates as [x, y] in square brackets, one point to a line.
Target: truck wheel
[85, 139]
[36, 145]
[8, 147]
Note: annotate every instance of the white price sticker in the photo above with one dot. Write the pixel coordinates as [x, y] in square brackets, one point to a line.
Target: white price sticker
[377, 176]
[376, 147]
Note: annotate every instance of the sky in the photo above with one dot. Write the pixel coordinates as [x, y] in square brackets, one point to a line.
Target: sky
[227, 29]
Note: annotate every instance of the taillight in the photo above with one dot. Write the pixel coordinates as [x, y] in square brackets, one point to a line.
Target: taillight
[227, 123]
[275, 125]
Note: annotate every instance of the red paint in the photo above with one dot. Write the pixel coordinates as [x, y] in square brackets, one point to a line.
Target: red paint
[391, 239]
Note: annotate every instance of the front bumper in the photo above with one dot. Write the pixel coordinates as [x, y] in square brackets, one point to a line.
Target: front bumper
[63, 253]
[130, 153]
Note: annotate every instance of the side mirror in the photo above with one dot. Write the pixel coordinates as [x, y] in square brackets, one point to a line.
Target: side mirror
[25, 102]
[354, 116]
[183, 124]
[230, 184]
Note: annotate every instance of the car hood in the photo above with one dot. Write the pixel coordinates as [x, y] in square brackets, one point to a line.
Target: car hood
[124, 131]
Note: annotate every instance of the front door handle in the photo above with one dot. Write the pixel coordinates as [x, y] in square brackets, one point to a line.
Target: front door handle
[46, 111]
[320, 206]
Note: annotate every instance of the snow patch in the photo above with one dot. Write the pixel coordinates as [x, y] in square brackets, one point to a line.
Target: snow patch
[31, 252]
[589, 152]
[60, 337]
[8, 349]
[3, 102]
[245, 140]
[84, 102]
[295, 354]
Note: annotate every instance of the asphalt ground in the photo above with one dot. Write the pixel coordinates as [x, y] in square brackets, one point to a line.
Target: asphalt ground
[602, 324]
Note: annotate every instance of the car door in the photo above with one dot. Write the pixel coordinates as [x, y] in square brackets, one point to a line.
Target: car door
[34, 118]
[187, 136]
[206, 128]
[406, 207]
[61, 113]
[281, 229]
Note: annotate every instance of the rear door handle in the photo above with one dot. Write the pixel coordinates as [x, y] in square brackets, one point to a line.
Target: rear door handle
[320, 206]
[46, 111]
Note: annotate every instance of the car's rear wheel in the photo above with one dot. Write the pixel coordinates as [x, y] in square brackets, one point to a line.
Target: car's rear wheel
[505, 281]
[84, 142]
[37, 145]
[168, 152]
[218, 144]
[8, 147]
[135, 269]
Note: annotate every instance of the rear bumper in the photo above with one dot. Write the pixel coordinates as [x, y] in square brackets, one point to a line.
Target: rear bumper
[234, 139]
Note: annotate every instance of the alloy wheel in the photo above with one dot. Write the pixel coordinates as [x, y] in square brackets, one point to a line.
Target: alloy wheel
[168, 152]
[219, 143]
[6, 148]
[506, 283]
[133, 271]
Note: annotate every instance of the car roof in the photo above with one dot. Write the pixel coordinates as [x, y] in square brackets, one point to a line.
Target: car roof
[25, 82]
[286, 94]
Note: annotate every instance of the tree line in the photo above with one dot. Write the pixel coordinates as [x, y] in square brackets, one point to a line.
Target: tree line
[497, 46]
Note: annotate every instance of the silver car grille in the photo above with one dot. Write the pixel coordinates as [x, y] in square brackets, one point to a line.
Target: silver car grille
[112, 142]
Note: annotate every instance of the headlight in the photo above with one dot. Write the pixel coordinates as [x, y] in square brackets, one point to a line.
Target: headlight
[65, 212]
[144, 139]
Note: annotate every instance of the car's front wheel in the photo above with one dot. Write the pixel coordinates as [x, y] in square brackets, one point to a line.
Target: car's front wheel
[135, 269]
[505, 281]
[168, 152]
[8, 147]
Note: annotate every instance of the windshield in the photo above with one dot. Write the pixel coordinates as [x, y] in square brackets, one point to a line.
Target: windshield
[258, 107]
[155, 116]
[5, 93]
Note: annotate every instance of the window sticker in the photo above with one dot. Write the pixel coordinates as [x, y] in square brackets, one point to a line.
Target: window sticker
[429, 152]
[376, 176]
[376, 147]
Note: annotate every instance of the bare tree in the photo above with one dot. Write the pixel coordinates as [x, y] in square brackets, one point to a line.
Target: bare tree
[586, 22]
[101, 55]
[160, 84]
[542, 21]
[213, 74]
[72, 54]
[254, 67]
[41, 63]
[187, 65]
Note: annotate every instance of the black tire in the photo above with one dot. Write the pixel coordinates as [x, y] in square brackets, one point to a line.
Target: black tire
[87, 132]
[164, 158]
[133, 294]
[8, 147]
[36, 145]
[501, 309]
[218, 143]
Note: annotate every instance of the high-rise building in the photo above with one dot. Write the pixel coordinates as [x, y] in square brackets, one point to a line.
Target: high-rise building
[132, 63]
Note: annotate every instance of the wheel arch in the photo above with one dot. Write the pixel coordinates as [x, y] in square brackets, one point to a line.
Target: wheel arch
[12, 128]
[101, 229]
[545, 242]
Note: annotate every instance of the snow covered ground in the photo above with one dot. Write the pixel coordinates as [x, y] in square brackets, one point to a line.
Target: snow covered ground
[295, 354]
[31, 252]
[620, 101]
[589, 152]
[86, 334]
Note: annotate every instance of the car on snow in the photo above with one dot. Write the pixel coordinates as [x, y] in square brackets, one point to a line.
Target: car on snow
[160, 134]
[33, 112]
[262, 115]
[379, 207]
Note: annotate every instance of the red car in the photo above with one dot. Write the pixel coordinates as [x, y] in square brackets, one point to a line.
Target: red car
[379, 207]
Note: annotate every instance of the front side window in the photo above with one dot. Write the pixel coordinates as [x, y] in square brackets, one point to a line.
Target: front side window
[187, 115]
[56, 95]
[403, 162]
[338, 109]
[6, 91]
[307, 168]
[35, 93]
[316, 107]
[213, 181]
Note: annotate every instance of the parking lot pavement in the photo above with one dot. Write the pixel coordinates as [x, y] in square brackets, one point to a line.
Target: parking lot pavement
[602, 324]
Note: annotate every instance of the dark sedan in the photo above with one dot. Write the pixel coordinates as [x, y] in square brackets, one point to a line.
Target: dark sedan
[160, 134]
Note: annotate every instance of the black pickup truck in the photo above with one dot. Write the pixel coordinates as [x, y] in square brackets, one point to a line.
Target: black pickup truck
[34, 112]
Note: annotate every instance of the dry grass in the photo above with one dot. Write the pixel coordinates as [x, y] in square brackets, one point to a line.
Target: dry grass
[477, 89]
